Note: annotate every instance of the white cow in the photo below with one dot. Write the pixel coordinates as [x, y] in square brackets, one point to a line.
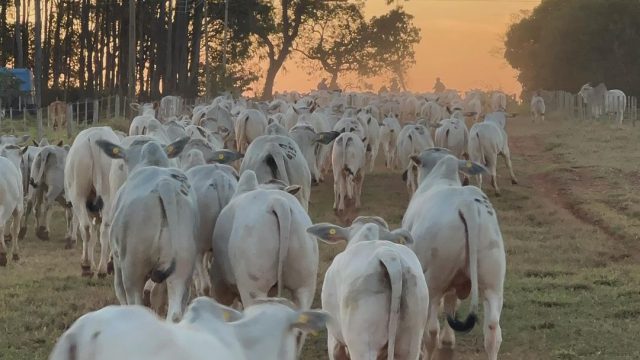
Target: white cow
[86, 186]
[214, 186]
[313, 145]
[46, 181]
[348, 161]
[498, 101]
[376, 292]
[453, 135]
[389, 131]
[279, 157]
[163, 200]
[458, 242]
[487, 140]
[249, 125]
[11, 199]
[266, 331]
[537, 107]
[413, 139]
[271, 223]
[372, 141]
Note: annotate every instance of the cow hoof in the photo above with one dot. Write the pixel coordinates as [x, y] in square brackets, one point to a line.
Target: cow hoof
[42, 233]
[86, 271]
[15, 257]
[514, 182]
[110, 267]
[68, 244]
[101, 275]
[22, 233]
[146, 298]
[3, 259]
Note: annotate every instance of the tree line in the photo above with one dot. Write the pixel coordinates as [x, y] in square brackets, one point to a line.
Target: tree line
[563, 44]
[85, 43]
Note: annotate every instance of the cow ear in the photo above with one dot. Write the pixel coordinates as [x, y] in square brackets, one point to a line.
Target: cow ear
[111, 150]
[60, 143]
[226, 156]
[295, 110]
[416, 159]
[311, 320]
[34, 142]
[156, 105]
[398, 236]
[175, 148]
[471, 168]
[293, 189]
[329, 233]
[24, 138]
[24, 150]
[326, 137]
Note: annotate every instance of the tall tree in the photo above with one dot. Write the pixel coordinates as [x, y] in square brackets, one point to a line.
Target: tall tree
[18, 34]
[38, 65]
[277, 33]
[563, 44]
[336, 40]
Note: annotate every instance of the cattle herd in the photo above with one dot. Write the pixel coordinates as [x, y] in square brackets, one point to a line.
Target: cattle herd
[203, 211]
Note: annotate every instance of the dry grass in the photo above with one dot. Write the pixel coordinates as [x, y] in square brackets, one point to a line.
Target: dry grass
[573, 283]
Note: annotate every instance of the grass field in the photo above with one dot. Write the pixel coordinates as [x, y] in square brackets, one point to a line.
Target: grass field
[571, 232]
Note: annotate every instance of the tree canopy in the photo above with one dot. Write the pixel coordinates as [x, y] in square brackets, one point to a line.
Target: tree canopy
[564, 44]
[340, 40]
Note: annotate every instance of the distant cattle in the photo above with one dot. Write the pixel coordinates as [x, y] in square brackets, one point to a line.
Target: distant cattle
[538, 108]
[58, 114]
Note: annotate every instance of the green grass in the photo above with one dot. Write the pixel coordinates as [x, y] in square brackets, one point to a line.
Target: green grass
[570, 228]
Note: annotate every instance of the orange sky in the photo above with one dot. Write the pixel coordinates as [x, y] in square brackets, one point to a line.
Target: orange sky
[459, 39]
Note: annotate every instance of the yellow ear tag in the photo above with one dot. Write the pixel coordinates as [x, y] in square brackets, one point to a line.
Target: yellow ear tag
[303, 319]
[332, 231]
[226, 316]
[401, 241]
[170, 148]
[469, 164]
[221, 157]
[115, 151]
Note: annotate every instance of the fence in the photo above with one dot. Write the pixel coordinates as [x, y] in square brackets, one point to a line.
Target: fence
[573, 105]
[79, 114]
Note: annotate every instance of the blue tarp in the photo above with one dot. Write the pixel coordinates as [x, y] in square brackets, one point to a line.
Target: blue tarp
[23, 74]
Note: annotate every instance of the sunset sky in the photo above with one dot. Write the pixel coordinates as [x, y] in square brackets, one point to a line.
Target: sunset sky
[459, 43]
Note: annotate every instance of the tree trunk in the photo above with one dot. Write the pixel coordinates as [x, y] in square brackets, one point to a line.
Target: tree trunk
[195, 51]
[272, 71]
[333, 84]
[131, 68]
[38, 66]
[18, 34]
[168, 87]
[56, 48]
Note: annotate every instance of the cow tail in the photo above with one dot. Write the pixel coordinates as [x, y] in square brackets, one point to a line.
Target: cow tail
[166, 263]
[470, 217]
[393, 266]
[349, 174]
[283, 214]
[94, 205]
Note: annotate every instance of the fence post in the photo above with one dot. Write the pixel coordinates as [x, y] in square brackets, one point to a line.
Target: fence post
[69, 120]
[117, 112]
[24, 117]
[77, 113]
[86, 111]
[96, 112]
[11, 114]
